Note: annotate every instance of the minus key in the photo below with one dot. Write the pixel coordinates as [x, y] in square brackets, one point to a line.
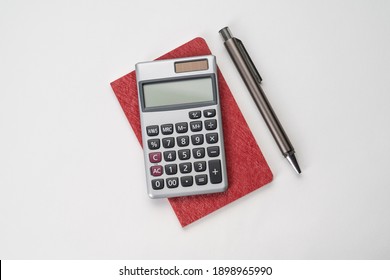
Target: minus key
[213, 151]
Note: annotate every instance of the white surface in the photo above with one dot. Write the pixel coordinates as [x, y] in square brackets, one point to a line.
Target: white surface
[72, 181]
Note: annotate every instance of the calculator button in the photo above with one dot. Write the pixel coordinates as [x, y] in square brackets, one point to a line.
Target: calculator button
[181, 127]
[156, 170]
[170, 155]
[215, 171]
[172, 182]
[209, 113]
[198, 152]
[155, 157]
[194, 114]
[154, 144]
[200, 166]
[213, 151]
[152, 130]
[210, 124]
[212, 138]
[196, 126]
[168, 142]
[167, 129]
[158, 184]
[186, 181]
[197, 139]
[171, 169]
[201, 179]
[185, 167]
[184, 154]
[183, 141]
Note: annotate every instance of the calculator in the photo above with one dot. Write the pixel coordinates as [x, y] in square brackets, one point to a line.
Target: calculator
[181, 126]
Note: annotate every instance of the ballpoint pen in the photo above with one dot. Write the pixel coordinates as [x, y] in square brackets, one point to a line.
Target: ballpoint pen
[252, 79]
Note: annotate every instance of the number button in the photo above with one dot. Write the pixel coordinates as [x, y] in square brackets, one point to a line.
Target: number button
[158, 184]
[212, 138]
[182, 127]
[194, 114]
[184, 154]
[170, 169]
[168, 142]
[152, 130]
[187, 181]
[196, 126]
[172, 182]
[155, 157]
[200, 166]
[197, 139]
[154, 144]
[201, 179]
[213, 151]
[183, 141]
[209, 113]
[170, 155]
[198, 152]
[167, 129]
[185, 167]
[156, 170]
[210, 124]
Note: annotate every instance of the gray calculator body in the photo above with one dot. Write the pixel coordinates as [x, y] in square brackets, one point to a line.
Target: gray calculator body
[181, 126]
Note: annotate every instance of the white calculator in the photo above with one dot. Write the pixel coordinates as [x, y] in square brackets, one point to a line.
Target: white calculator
[181, 126]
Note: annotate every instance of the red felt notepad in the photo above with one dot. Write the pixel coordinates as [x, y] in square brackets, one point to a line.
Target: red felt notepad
[246, 166]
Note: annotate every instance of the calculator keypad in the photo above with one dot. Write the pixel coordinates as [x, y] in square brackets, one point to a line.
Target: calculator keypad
[185, 154]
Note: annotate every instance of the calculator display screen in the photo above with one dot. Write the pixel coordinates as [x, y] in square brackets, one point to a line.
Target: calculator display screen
[178, 92]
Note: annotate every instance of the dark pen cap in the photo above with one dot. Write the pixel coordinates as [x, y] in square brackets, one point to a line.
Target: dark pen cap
[225, 33]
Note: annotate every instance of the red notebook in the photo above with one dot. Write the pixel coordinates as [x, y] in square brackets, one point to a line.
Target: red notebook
[246, 166]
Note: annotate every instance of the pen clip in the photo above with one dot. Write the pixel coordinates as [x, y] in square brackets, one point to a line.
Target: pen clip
[249, 61]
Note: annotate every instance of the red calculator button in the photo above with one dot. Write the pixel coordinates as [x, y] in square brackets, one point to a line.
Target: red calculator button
[156, 170]
[155, 157]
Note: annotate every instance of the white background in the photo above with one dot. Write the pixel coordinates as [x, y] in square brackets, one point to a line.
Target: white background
[72, 182]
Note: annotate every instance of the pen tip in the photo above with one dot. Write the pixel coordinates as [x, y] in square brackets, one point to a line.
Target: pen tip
[293, 161]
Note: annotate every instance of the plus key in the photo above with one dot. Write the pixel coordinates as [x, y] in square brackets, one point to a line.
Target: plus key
[215, 171]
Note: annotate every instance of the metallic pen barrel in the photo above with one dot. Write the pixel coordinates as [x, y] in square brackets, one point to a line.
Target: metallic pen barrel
[252, 79]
